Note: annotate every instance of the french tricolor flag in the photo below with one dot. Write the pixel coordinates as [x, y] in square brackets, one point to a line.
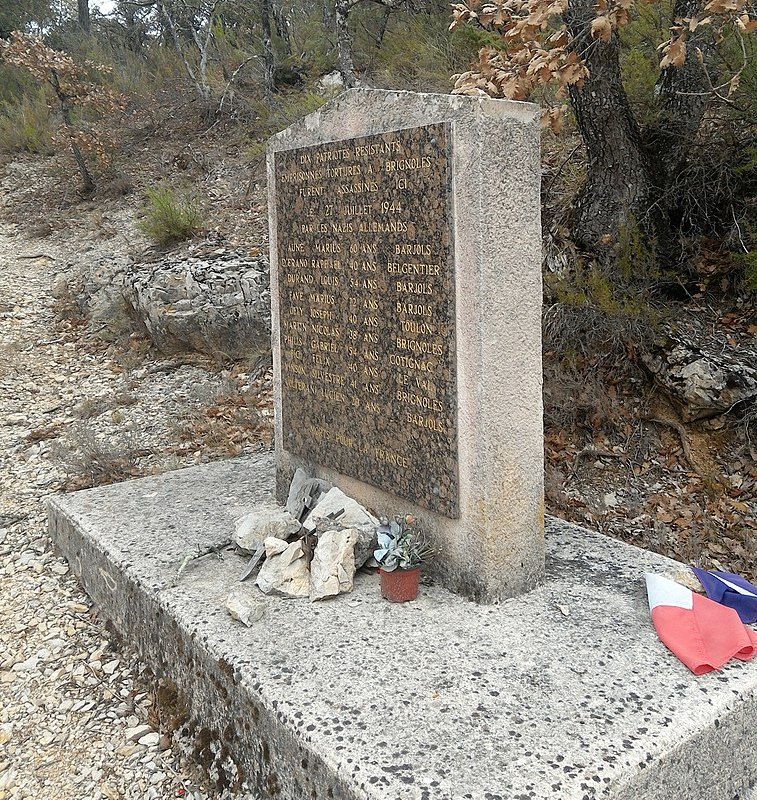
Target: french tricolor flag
[699, 631]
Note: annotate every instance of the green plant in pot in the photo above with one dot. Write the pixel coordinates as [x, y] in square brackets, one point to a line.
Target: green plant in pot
[401, 551]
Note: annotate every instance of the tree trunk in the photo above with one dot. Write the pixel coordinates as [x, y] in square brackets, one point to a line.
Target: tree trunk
[619, 188]
[344, 43]
[328, 16]
[203, 91]
[282, 26]
[682, 97]
[269, 64]
[88, 184]
[134, 33]
[83, 8]
[383, 22]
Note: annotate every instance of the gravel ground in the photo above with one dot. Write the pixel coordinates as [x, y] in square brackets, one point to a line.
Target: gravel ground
[77, 713]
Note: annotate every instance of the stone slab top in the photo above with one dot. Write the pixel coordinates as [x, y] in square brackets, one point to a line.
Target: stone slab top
[565, 692]
[395, 103]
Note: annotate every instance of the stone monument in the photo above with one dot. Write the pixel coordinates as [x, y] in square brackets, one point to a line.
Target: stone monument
[406, 301]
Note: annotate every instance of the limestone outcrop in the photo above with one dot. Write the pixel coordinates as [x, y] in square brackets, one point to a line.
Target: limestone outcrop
[213, 300]
[704, 369]
[208, 297]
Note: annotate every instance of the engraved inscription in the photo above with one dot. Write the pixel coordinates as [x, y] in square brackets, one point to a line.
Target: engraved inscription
[366, 298]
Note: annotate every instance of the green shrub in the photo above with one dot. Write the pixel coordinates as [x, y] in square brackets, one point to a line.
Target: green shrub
[640, 60]
[171, 217]
[748, 263]
[277, 114]
[14, 83]
[751, 272]
[25, 125]
[417, 51]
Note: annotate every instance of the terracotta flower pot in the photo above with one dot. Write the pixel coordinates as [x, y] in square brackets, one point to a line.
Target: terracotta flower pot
[400, 585]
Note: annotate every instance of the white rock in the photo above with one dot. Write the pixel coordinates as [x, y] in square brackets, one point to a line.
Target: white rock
[355, 517]
[8, 779]
[335, 500]
[332, 80]
[254, 528]
[285, 570]
[243, 608]
[149, 739]
[333, 567]
[135, 734]
[304, 492]
[30, 665]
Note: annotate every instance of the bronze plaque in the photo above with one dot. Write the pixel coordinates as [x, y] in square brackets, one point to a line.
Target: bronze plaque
[367, 311]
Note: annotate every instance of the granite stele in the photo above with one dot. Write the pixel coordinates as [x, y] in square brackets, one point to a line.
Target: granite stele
[406, 282]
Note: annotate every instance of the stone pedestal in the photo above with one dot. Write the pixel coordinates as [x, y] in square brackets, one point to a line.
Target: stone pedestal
[566, 694]
[411, 223]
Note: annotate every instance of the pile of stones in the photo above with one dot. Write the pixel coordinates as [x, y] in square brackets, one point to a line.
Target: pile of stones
[705, 367]
[312, 547]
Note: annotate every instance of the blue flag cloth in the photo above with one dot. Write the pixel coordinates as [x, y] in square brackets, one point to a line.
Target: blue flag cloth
[730, 590]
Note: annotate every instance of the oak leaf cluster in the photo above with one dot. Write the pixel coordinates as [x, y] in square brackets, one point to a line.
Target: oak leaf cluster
[83, 104]
[534, 47]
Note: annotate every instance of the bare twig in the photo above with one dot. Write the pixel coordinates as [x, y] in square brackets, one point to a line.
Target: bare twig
[231, 81]
[560, 168]
[201, 553]
[715, 90]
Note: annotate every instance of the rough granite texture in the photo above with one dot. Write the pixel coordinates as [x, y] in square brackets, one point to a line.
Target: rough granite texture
[495, 549]
[563, 693]
[358, 325]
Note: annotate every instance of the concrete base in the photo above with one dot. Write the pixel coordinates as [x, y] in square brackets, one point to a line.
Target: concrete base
[563, 693]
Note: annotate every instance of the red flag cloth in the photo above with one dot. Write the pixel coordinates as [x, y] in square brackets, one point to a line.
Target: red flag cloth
[703, 634]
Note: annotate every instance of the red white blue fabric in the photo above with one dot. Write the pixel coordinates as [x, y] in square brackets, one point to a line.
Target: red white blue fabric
[701, 633]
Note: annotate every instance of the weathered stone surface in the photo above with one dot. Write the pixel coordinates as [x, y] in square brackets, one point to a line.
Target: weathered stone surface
[333, 566]
[267, 520]
[326, 515]
[702, 369]
[285, 570]
[365, 545]
[243, 608]
[136, 733]
[495, 547]
[209, 298]
[305, 489]
[329, 508]
[516, 699]
[331, 81]
[217, 305]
